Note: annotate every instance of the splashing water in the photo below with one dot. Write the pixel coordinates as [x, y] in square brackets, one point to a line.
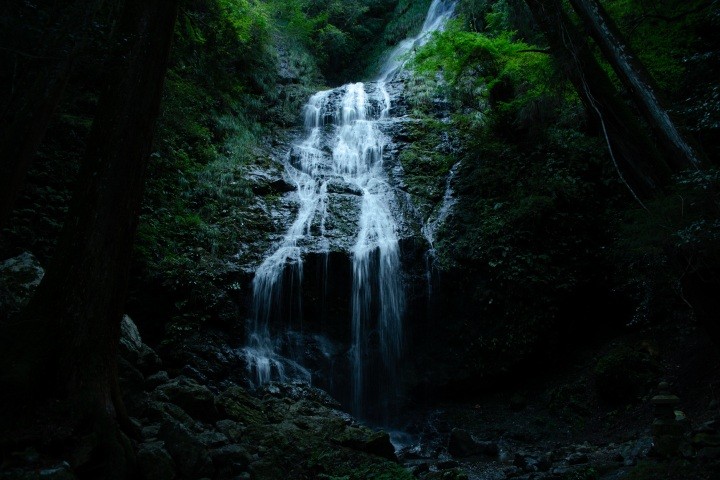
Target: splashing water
[352, 114]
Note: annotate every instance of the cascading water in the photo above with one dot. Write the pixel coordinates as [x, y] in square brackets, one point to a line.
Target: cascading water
[344, 144]
[433, 223]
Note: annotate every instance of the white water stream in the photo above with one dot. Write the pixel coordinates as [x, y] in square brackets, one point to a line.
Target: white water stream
[352, 114]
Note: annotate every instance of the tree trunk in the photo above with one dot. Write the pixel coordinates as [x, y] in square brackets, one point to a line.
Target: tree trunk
[638, 82]
[33, 93]
[640, 164]
[66, 342]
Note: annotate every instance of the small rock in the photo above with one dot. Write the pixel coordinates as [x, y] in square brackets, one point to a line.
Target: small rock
[577, 459]
[157, 379]
[512, 471]
[213, 439]
[447, 465]
[709, 453]
[708, 427]
[233, 457]
[231, 429]
[520, 461]
[151, 431]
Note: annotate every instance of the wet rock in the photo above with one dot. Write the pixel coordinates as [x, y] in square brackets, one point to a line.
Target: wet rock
[376, 443]
[157, 379]
[462, 444]
[155, 462]
[231, 459]
[150, 431]
[512, 471]
[577, 459]
[340, 187]
[236, 404]
[213, 439]
[231, 429]
[447, 465]
[189, 454]
[300, 391]
[633, 451]
[195, 399]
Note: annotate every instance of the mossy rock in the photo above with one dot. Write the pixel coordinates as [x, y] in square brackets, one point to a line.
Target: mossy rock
[236, 404]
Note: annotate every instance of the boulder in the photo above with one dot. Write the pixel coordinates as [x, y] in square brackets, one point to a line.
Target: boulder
[134, 350]
[236, 404]
[19, 276]
[374, 443]
[195, 399]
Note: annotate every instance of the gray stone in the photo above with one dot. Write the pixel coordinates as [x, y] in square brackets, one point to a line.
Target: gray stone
[155, 462]
[376, 443]
[157, 379]
[130, 341]
[234, 458]
[447, 465]
[195, 399]
[577, 459]
[213, 439]
[231, 429]
[150, 431]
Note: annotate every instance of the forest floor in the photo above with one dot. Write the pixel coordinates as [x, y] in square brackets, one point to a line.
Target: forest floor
[588, 417]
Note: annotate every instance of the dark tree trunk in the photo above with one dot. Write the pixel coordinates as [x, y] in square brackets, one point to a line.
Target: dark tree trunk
[638, 82]
[638, 161]
[66, 342]
[33, 85]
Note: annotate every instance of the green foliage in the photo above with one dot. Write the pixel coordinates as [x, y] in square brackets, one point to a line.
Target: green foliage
[339, 33]
[514, 79]
[661, 33]
[247, 20]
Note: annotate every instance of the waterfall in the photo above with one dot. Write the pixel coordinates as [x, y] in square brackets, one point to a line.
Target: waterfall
[343, 144]
[432, 224]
